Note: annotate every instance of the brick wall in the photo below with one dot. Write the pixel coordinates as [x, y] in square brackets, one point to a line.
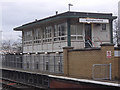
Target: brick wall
[79, 62]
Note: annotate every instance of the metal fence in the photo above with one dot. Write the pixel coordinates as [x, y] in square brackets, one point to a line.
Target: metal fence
[34, 62]
[101, 71]
[26, 78]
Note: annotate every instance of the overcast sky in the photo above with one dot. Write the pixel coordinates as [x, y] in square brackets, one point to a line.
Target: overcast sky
[19, 12]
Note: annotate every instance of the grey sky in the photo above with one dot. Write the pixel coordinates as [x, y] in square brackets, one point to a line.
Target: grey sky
[16, 13]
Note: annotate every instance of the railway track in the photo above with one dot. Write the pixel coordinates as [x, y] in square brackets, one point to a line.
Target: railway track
[12, 85]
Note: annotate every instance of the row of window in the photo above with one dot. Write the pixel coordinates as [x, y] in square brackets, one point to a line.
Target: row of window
[45, 33]
[59, 32]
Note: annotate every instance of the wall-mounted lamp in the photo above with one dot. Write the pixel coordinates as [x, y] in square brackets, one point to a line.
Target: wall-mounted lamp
[36, 53]
[46, 52]
[57, 52]
[88, 22]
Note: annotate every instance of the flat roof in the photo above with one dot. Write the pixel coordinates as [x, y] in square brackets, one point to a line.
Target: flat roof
[67, 15]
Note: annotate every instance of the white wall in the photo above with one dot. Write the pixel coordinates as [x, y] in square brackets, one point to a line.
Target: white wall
[100, 35]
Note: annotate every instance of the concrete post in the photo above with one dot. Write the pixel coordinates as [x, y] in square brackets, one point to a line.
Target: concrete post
[66, 60]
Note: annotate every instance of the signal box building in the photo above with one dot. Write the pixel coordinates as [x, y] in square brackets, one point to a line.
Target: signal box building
[76, 29]
[48, 36]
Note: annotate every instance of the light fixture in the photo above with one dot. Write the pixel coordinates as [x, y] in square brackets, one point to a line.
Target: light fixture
[57, 52]
[36, 53]
[88, 22]
[46, 52]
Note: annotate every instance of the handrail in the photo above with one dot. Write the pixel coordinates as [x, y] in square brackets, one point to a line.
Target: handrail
[98, 39]
[91, 41]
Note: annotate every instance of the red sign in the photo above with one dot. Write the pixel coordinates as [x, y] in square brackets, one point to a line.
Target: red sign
[109, 54]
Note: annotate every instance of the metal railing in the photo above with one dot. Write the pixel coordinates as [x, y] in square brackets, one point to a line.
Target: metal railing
[36, 63]
[101, 71]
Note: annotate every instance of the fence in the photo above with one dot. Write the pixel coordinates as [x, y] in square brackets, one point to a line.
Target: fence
[34, 62]
[101, 71]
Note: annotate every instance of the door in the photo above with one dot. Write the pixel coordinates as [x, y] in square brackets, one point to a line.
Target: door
[88, 36]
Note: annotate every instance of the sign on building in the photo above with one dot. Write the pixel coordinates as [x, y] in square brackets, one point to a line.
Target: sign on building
[109, 54]
[93, 20]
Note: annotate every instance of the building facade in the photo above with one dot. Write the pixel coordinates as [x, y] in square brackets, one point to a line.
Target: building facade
[43, 40]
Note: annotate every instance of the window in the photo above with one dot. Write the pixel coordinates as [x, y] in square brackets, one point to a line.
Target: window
[77, 32]
[59, 67]
[27, 37]
[60, 32]
[103, 26]
[37, 36]
[47, 34]
[47, 67]
[36, 65]
[55, 31]
[27, 65]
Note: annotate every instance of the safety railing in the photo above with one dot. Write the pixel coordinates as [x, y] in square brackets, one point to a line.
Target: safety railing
[101, 71]
[38, 63]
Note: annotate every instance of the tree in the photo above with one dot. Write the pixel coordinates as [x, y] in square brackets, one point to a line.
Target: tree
[116, 33]
[6, 46]
[9, 46]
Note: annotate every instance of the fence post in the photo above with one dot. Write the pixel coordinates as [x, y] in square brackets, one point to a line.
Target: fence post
[110, 71]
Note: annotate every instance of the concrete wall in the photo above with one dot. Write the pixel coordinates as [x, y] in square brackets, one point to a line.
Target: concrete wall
[99, 35]
[79, 63]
